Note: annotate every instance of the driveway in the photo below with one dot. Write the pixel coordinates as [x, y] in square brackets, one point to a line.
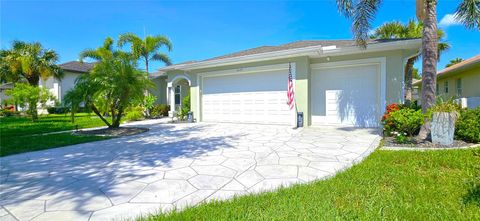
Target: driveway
[172, 165]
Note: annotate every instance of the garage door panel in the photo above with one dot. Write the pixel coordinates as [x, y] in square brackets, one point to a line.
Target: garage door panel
[247, 98]
[346, 95]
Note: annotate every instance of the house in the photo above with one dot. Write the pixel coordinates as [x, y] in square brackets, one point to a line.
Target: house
[72, 70]
[459, 81]
[336, 82]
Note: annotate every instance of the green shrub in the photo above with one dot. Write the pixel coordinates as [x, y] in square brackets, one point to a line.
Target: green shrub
[134, 113]
[6, 113]
[402, 120]
[160, 110]
[183, 112]
[467, 127]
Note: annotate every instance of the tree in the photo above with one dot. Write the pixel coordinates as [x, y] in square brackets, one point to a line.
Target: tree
[114, 82]
[30, 96]
[147, 48]
[454, 61]
[29, 61]
[413, 29]
[362, 12]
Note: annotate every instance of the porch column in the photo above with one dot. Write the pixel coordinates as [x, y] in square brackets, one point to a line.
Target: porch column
[171, 93]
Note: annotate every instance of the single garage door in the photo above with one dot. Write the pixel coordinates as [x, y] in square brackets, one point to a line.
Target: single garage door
[346, 96]
[258, 97]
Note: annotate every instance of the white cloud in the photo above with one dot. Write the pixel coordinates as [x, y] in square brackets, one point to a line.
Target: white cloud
[448, 20]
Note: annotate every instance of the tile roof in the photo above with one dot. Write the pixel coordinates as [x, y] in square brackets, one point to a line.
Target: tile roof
[77, 66]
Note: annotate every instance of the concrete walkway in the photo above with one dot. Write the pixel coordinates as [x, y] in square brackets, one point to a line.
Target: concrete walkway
[172, 165]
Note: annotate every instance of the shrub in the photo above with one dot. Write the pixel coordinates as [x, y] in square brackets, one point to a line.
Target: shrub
[29, 96]
[57, 110]
[160, 110]
[183, 112]
[6, 113]
[467, 127]
[134, 113]
[402, 119]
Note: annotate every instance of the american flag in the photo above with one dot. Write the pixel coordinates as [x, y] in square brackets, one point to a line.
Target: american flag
[290, 93]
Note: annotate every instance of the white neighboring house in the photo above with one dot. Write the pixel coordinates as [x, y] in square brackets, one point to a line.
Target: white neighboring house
[59, 87]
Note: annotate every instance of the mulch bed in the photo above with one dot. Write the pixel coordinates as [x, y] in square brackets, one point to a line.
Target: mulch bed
[114, 132]
[390, 142]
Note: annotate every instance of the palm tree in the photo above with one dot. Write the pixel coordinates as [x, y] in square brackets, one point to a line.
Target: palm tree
[362, 12]
[454, 61]
[147, 48]
[413, 29]
[29, 61]
[113, 84]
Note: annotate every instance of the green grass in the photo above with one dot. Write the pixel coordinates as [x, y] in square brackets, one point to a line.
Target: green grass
[20, 134]
[388, 185]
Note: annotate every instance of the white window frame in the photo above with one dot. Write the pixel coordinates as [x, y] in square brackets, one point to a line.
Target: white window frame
[179, 93]
[459, 90]
[445, 87]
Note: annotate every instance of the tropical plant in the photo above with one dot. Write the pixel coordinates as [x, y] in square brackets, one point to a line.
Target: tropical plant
[73, 99]
[413, 29]
[114, 83]
[29, 61]
[467, 127]
[185, 108]
[160, 110]
[362, 12]
[147, 48]
[148, 103]
[28, 96]
[454, 61]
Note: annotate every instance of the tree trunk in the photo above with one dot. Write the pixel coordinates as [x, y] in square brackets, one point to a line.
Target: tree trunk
[429, 63]
[116, 122]
[408, 81]
[32, 109]
[95, 110]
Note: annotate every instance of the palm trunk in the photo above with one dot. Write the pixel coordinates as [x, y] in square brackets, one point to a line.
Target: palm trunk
[97, 112]
[408, 80]
[429, 63]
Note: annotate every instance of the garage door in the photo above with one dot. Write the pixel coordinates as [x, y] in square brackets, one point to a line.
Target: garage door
[258, 97]
[346, 96]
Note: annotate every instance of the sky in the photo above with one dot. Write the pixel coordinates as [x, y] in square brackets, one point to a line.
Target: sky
[204, 29]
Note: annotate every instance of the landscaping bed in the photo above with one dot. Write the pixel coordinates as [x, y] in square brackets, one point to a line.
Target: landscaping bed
[113, 132]
[413, 143]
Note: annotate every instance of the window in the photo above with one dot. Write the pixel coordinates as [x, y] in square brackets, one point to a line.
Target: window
[459, 87]
[437, 90]
[446, 87]
[177, 95]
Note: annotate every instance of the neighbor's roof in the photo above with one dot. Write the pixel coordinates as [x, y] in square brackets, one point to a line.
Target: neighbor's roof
[289, 46]
[77, 66]
[456, 67]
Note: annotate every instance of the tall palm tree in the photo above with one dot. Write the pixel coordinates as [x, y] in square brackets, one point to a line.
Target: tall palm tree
[412, 29]
[29, 61]
[362, 12]
[147, 48]
[453, 62]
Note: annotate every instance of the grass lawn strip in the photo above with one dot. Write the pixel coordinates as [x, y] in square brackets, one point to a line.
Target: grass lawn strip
[388, 185]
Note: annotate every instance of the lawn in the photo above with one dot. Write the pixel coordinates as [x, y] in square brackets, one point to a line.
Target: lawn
[388, 185]
[20, 134]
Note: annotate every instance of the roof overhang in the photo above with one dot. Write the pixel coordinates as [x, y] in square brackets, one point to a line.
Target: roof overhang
[313, 52]
[447, 73]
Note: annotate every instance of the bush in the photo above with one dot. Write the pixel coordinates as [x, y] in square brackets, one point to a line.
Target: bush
[6, 113]
[402, 119]
[58, 110]
[160, 110]
[134, 114]
[467, 127]
[183, 112]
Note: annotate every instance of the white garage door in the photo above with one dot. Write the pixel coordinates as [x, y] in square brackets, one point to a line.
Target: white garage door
[247, 98]
[346, 96]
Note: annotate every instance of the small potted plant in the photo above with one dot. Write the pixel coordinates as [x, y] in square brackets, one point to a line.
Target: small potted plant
[444, 115]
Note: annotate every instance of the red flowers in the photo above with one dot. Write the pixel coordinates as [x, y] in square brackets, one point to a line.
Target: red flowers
[390, 108]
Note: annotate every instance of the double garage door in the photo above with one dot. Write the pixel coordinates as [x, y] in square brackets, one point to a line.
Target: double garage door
[258, 97]
[340, 95]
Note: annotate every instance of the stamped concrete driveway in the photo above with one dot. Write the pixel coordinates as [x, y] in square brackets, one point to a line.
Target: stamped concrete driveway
[172, 165]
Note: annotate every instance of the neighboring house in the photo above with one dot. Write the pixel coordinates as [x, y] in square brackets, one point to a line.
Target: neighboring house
[459, 81]
[336, 82]
[3, 88]
[72, 70]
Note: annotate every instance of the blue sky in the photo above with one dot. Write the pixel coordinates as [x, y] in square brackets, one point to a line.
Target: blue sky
[203, 29]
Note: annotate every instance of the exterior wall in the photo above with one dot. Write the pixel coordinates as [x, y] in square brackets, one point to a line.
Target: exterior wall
[60, 87]
[160, 90]
[395, 61]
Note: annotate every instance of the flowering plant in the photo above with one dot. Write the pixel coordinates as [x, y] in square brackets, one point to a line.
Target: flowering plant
[400, 137]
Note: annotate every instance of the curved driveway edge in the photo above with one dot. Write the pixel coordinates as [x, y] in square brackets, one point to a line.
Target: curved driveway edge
[172, 165]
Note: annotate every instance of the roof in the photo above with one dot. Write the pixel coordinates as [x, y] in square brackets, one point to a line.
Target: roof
[76, 66]
[298, 44]
[289, 46]
[456, 67]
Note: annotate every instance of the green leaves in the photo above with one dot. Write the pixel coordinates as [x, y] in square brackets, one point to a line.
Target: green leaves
[468, 12]
[29, 61]
[29, 96]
